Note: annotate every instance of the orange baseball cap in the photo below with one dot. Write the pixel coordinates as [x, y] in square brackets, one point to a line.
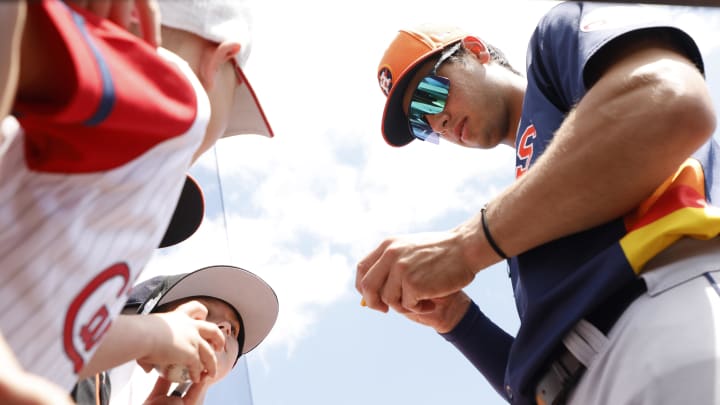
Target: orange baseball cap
[409, 49]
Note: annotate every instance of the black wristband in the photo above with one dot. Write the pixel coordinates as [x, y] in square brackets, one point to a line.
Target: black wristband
[489, 237]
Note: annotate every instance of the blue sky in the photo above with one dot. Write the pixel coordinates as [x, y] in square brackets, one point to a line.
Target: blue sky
[304, 207]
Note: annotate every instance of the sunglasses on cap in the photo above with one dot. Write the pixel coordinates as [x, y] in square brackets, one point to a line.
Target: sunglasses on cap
[429, 98]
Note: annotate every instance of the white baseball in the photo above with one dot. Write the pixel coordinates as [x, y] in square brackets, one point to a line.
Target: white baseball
[174, 373]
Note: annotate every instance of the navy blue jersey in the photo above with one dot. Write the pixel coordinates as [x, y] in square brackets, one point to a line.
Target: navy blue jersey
[562, 281]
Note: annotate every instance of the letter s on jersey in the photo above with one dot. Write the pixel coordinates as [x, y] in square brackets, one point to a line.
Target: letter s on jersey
[524, 151]
[88, 317]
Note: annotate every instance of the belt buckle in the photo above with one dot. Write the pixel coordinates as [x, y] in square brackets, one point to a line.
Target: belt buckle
[558, 380]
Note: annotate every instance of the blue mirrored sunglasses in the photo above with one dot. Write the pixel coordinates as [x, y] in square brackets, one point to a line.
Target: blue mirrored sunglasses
[429, 98]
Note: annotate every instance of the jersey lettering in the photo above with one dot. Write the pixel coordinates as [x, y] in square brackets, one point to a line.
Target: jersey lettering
[91, 332]
[86, 324]
[524, 151]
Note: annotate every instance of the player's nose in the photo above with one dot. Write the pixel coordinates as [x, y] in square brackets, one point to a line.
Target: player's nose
[439, 122]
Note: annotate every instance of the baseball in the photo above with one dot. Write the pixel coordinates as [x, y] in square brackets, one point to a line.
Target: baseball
[174, 373]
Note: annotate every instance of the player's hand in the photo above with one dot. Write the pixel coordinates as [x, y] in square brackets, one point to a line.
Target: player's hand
[129, 14]
[406, 273]
[182, 338]
[447, 312]
[159, 395]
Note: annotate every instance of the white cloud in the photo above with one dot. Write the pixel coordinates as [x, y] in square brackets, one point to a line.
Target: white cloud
[701, 23]
[306, 206]
[303, 281]
[313, 216]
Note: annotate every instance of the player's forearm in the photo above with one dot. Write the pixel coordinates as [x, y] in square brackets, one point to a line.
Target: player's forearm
[484, 344]
[126, 340]
[628, 134]
[12, 21]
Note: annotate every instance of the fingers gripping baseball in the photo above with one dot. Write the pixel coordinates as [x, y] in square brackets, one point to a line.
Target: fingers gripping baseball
[159, 394]
[445, 314]
[383, 278]
[372, 275]
[183, 342]
[364, 266]
[407, 273]
[211, 340]
[209, 331]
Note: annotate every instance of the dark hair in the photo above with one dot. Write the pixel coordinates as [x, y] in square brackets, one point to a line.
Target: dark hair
[496, 56]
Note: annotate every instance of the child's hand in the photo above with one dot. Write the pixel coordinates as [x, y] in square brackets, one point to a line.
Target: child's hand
[131, 15]
[183, 339]
[159, 395]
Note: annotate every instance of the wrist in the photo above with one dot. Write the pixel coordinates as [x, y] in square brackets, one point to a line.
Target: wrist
[455, 313]
[146, 326]
[477, 252]
[484, 223]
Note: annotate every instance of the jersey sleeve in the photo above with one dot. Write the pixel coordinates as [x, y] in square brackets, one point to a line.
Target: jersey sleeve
[569, 36]
[126, 98]
[484, 344]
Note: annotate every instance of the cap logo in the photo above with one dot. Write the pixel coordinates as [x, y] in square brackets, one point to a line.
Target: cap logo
[385, 80]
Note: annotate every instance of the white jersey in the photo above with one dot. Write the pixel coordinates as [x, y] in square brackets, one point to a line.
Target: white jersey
[73, 243]
[130, 384]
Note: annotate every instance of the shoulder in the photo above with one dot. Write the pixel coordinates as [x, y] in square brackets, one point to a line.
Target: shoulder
[561, 17]
[591, 36]
[615, 32]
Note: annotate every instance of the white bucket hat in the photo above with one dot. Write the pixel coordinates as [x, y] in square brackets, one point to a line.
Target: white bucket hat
[219, 21]
[251, 297]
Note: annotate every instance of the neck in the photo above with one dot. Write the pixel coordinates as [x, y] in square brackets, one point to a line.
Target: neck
[517, 86]
[185, 44]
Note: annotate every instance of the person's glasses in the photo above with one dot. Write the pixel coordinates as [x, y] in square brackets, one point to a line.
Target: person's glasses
[429, 98]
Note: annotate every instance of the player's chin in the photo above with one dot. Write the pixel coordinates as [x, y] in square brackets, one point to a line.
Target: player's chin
[488, 140]
[473, 139]
[470, 142]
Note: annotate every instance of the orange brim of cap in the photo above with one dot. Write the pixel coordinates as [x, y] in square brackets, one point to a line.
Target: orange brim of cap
[395, 127]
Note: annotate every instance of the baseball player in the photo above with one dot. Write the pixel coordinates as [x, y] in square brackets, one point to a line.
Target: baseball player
[610, 229]
[242, 305]
[104, 128]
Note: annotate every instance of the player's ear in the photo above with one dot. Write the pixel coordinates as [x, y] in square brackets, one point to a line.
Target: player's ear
[477, 47]
[213, 60]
